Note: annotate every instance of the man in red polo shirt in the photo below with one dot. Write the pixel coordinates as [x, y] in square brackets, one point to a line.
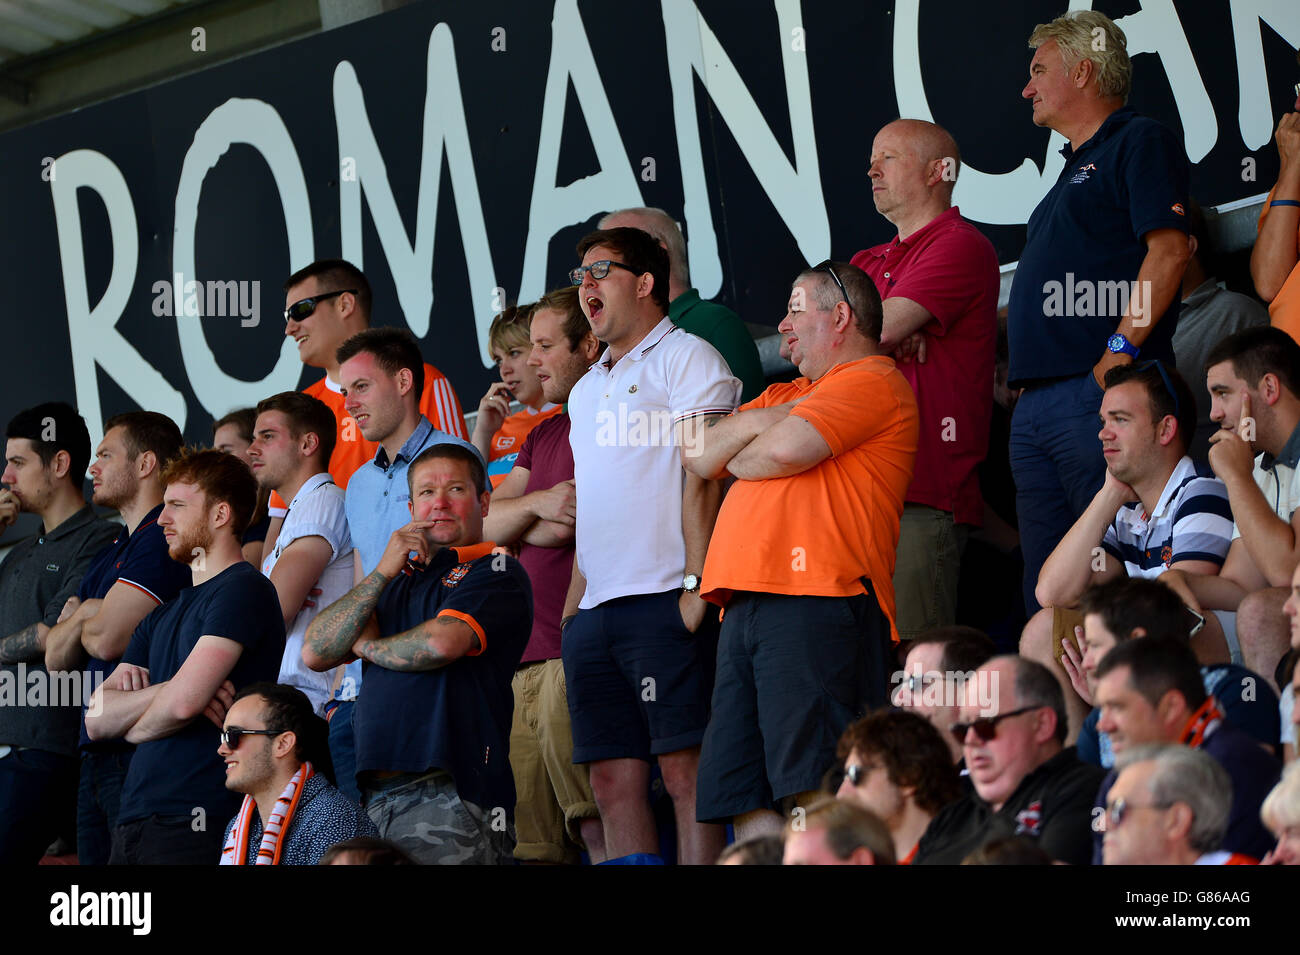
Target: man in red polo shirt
[938, 281]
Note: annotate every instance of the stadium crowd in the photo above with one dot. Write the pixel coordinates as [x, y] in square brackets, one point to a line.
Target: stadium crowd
[664, 597]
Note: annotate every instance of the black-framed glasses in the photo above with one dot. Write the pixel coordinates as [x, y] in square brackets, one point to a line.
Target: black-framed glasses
[1164, 376]
[231, 736]
[301, 309]
[986, 727]
[830, 269]
[855, 774]
[598, 270]
[1121, 809]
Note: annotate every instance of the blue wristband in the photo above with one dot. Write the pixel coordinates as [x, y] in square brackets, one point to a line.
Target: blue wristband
[1284, 202]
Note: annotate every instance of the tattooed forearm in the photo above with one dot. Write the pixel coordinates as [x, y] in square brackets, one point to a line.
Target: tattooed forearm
[419, 648]
[336, 628]
[25, 646]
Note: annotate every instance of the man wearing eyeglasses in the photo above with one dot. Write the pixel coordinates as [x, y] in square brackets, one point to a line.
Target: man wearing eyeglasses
[635, 660]
[1157, 510]
[273, 748]
[1026, 782]
[938, 281]
[1152, 691]
[1097, 282]
[1169, 806]
[802, 557]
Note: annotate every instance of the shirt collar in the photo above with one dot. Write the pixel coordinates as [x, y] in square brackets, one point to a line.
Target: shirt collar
[1202, 293]
[1183, 470]
[683, 303]
[410, 448]
[1289, 455]
[641, 348]
[309, 485]
[73, 523]
[1107, 129]
[942, 219]
[472, 551]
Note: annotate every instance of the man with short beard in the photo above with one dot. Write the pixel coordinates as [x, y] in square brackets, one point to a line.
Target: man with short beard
[170, 693]
[126, 582]
[45, 457]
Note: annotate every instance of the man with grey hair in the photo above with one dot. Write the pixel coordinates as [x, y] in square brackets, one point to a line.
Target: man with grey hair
[1026, 783]
[712, 321]
[1097, 283]
[1169, 806]
[938, 281]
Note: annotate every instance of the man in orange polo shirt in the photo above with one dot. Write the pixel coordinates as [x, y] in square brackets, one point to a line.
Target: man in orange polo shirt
[325, 304]
[802, 556]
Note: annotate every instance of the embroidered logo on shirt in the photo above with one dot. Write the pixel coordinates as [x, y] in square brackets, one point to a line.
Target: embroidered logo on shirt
[52, 568]
[503, 441]
[455, 575]
[1178, 207]
[1166, 555]
[1030, 821]
[1081, 174]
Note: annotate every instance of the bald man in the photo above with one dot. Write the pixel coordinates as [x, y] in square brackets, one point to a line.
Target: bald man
[712, 321]
[938, 281]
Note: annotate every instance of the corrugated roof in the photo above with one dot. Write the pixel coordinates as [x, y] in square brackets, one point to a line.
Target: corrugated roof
[37, 27]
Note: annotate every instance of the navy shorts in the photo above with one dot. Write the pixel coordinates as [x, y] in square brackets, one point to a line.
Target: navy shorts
[637, 679]
[793, 672]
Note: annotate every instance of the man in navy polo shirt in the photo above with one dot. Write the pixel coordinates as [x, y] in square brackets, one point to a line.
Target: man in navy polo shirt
[126, 581]
[440, 636]
[1098, 280]
[178, 676]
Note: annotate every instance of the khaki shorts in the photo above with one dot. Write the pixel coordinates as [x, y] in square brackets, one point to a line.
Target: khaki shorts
[925, 573]
[552, 794]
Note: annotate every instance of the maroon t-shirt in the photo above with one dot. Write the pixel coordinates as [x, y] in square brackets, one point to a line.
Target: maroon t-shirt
[950, 269]
[549, 459]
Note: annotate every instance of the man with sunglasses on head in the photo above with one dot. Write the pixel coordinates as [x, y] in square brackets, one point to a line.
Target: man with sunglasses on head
[802, 557]
[1157, 509]
[274, 749]
[636, 663]
[938, 281]
[1027, 783]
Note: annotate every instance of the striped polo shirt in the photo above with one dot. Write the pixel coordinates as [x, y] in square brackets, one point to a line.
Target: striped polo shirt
[1192, 521]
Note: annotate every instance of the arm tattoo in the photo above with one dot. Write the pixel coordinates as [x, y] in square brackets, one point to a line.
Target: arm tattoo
[23, 646]
[337, 627]
[409, 652]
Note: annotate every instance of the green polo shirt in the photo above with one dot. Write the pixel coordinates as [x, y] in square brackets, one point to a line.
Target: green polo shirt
[723, 329]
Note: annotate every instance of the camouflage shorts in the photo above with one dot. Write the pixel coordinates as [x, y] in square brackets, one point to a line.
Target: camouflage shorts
[427, 819]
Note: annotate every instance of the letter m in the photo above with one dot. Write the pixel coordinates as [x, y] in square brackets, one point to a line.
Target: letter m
[444, 125]
[1112, 299]
[222, 298]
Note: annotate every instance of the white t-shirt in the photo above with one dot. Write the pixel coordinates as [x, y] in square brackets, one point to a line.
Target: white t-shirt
[1279, 479]
[627, 466]
[315, 511]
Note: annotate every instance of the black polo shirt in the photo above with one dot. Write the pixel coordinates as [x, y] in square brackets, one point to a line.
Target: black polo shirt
[456, 717]
[36, 580]
[1052, 806]
[1130, 178]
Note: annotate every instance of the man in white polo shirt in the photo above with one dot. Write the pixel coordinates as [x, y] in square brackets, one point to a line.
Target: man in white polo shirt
[292, 442]
[638, 683]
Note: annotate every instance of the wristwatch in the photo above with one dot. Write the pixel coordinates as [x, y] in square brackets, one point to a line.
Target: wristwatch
[691, 583]
[1118, 344]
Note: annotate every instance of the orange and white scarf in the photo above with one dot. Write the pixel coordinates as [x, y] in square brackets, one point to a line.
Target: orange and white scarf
[235, 851]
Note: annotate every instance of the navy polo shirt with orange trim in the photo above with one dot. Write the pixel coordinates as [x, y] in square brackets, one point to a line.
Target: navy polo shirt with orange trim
[1131, 178]
[138, 559]
[457, 717]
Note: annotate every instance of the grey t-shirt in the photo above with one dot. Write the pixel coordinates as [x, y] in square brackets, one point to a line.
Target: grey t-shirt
[36, 580]
[1209, 315]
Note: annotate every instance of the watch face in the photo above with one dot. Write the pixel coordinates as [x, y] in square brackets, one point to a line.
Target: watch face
[1115, 343]
[690, 582]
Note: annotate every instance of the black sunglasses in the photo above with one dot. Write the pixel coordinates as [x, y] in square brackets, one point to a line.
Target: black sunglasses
[855, 774]
[827, 267]
[301, 309]
[1121, 809]
[231, 737]
[986, 727]
[598, 270]
[1164, 376]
